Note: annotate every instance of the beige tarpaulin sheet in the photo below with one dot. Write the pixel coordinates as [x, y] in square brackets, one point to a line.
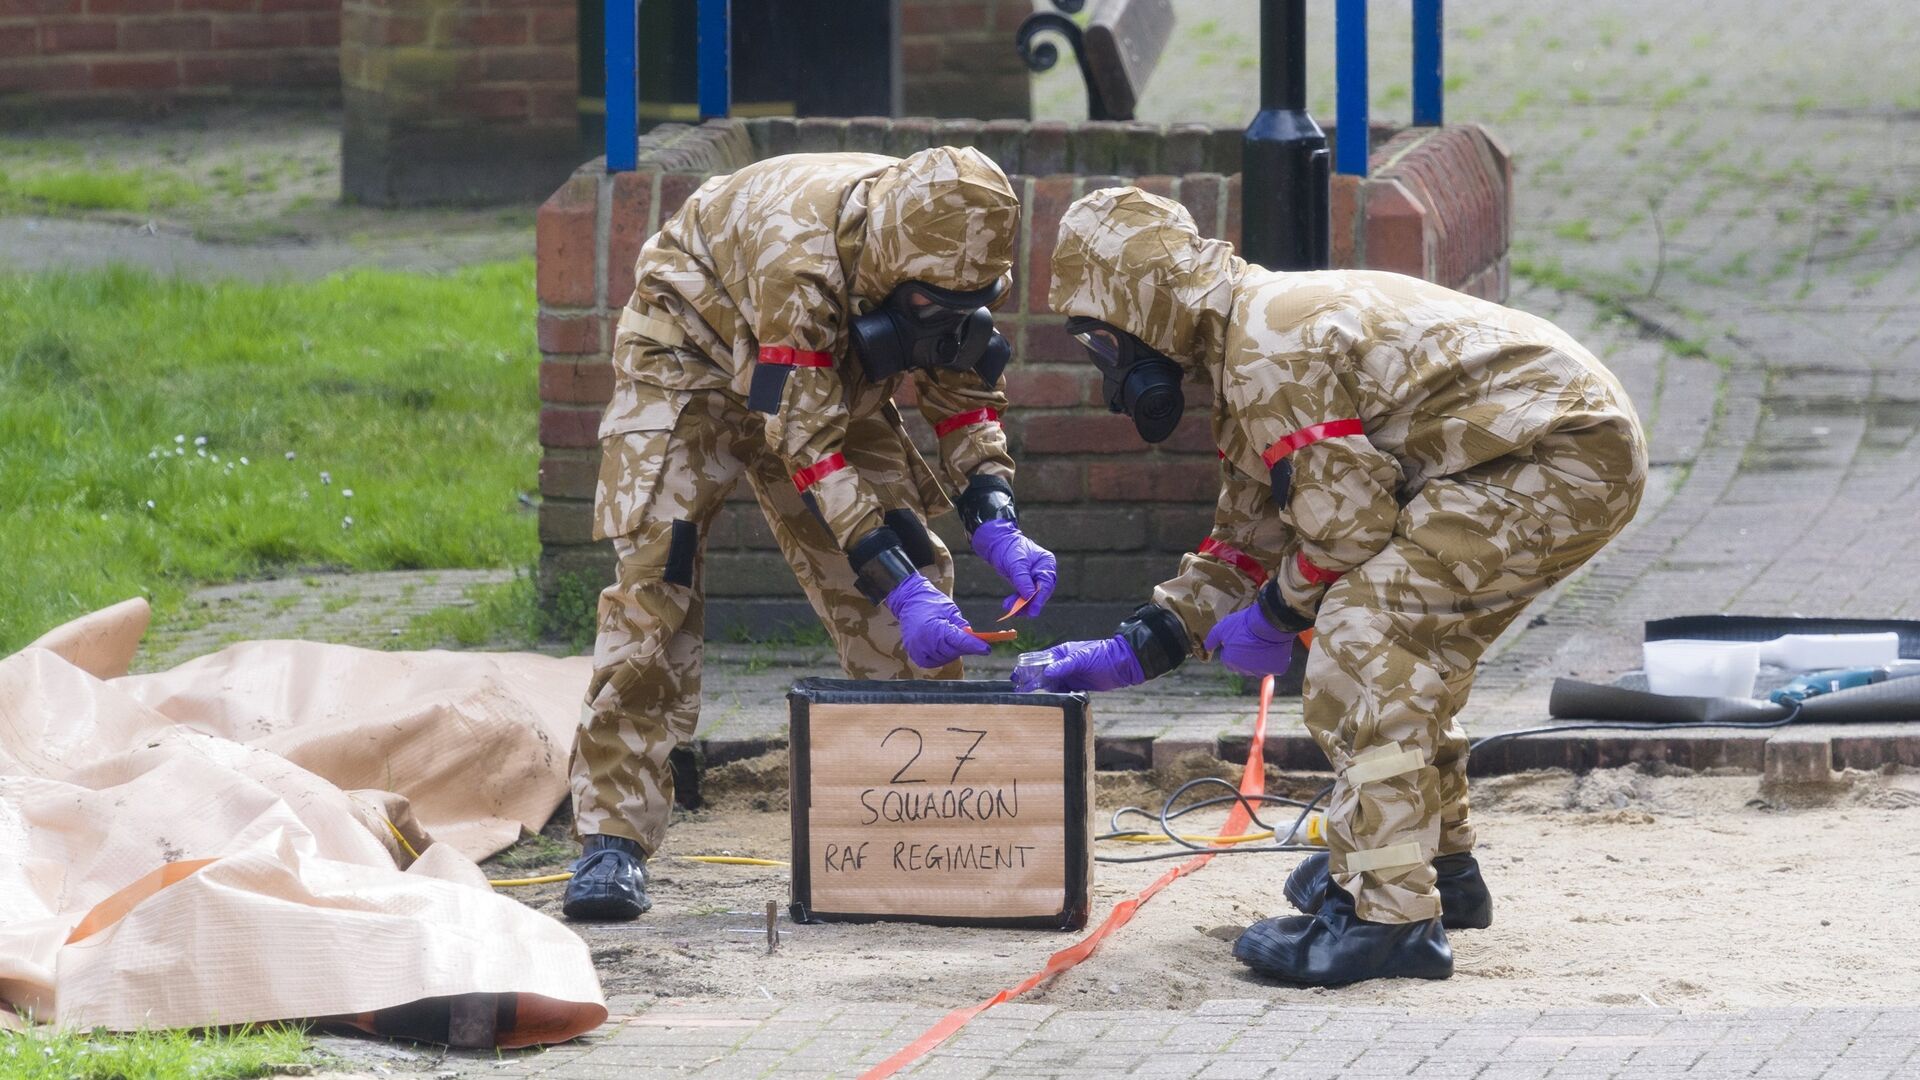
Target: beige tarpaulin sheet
[211, 844]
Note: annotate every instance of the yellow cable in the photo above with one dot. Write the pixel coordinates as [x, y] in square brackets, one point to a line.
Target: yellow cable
[724, 860]
[403, 840]
[1312, 832]
[1162, 838]
[507, 883]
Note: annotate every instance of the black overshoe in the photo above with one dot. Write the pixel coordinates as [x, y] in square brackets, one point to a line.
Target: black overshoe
[609, 882]
[1465, 903]
[1334, 947]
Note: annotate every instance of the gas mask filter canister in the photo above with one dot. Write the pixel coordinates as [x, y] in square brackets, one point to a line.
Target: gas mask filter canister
[1139, 381]
[930, 328]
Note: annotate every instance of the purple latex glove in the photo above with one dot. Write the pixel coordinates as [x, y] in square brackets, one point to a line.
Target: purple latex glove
[1247, 643]
[931, 626]
[1027, 566]
[1084, 665]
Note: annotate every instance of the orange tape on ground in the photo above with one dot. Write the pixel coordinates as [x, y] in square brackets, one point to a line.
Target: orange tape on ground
[1253, 781]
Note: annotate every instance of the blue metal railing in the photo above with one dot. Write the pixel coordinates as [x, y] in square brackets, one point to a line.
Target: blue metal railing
[1427, 85]
[716, 68]
[1350, 100]
[623, 85]
[715, 74]
[1350, 56]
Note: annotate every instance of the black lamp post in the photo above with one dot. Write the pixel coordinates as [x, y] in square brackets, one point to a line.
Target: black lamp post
[1285, 163]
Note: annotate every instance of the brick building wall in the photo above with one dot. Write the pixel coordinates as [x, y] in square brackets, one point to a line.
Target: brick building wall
[959, 61]
[1118, 513]
[467, 102]
[136, 54]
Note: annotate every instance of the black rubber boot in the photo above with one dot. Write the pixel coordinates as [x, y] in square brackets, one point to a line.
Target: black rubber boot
[1465, 903]
[1334, 947]
[609, 882]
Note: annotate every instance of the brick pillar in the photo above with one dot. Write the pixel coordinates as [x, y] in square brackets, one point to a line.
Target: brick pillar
[458, 101]
[958, 58]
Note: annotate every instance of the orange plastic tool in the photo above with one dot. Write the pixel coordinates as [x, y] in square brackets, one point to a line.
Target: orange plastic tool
[995, 636]
[1018, 606]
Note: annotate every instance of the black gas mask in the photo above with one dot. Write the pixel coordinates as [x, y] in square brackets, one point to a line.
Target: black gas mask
[1139, 381]
[923, 326]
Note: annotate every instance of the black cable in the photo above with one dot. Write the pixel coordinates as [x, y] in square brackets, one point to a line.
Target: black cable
[1166, 808]
[1634, 725]
[1231, 849]
[1168, 814]
[1118, 831]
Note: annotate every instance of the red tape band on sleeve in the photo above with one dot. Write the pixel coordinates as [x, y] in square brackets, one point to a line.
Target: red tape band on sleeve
[1332, 429]
[1315, 575]
[1235, 558]
[808, 476]
[966, 419]
[788, 356]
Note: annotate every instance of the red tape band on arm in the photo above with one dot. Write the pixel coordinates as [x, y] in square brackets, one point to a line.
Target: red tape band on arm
[788, 356]
[810, 475]
[1235, 558]
[1332, 429]
[966, 419]
[1315, 575]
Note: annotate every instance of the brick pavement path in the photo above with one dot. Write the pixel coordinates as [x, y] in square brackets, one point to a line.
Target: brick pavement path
[1220, 1040]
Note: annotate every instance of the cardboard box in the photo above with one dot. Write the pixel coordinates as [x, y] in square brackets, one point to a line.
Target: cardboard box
[951, 803]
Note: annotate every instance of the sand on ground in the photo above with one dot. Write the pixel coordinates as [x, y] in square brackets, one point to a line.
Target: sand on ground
[1631, 886]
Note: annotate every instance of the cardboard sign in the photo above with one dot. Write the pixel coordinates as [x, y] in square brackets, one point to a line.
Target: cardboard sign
[956, 803]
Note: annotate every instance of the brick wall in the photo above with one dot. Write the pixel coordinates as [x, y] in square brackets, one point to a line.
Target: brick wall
[452, 101]
[1117, 512]
[957, 58]
[143, 53]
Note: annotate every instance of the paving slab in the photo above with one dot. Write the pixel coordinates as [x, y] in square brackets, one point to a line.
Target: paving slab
[1261, 1039]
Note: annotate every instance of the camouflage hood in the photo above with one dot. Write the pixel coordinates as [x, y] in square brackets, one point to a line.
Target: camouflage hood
[1136, 261]
[945, 216]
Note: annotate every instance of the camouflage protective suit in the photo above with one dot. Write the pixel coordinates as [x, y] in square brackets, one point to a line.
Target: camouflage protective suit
[731, 360]
[1410, 466]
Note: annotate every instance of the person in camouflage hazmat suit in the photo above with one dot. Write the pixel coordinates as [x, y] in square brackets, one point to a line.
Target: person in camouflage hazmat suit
[772, 318]
[1403, 469]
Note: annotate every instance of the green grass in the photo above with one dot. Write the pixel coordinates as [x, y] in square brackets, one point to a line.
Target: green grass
[152, 1055]
[1579, 229]
[533, 851]
[416, 392]
[78, 190]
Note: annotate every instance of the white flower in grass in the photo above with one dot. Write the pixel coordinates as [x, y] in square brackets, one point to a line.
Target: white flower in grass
[213, 458]
[346, 493]
[153, 455]
[149, 504]
[199, 440]
[347, 522]
[179, 438]
[289, 455]
[326, 477]
[244, 461]
[179, 451]
[202, 452]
